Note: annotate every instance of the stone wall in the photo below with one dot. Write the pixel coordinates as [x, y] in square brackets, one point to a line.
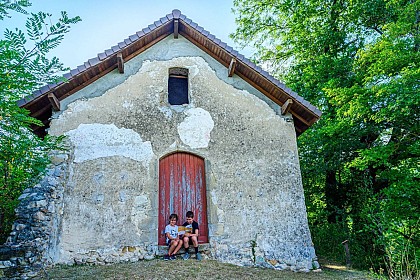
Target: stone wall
[35, 233]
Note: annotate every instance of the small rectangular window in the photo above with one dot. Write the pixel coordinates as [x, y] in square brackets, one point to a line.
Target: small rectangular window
[178, 86]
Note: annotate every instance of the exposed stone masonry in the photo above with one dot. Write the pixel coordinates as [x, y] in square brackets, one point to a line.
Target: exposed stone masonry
[34, 234]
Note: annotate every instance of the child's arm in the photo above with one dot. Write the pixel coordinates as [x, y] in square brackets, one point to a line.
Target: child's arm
[170, 236]
[192, 234]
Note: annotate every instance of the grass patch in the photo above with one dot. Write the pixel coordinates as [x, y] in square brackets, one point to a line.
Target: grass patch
[191, 269]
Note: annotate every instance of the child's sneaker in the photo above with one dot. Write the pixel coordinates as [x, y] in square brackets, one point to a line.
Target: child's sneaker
[166, 258]
[186, 256]
[172, 257]
[198, 256]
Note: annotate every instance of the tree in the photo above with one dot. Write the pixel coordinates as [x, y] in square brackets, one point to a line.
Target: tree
[24, 67]
[358, 61]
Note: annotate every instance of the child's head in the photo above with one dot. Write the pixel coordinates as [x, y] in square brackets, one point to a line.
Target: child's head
[190, 217]
[173, 218]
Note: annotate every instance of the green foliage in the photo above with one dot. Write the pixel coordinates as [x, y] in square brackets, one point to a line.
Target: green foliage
[358, 61]
[24, 67]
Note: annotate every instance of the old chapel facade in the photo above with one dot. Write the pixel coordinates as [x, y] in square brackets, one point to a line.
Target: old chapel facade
[169, 120]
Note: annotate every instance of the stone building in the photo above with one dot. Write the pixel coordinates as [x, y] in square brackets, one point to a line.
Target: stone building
[169, 120]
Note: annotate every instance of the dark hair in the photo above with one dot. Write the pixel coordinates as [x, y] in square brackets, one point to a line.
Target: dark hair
[190, 214]
[173, 216]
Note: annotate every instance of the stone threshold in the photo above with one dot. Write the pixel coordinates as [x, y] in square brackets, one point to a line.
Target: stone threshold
[163, 249]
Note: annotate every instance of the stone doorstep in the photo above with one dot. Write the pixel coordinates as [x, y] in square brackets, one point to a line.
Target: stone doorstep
[163, 249]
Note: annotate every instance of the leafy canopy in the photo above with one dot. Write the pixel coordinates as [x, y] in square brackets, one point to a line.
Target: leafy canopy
[359, 62]
[24, 67]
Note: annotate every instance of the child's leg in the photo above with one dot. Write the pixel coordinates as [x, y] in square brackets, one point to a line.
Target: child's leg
[186, 243]
[177, 247]
[195, 243]
[174, 243]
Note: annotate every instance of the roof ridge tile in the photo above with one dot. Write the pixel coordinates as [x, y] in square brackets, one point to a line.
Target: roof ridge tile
[176, 13]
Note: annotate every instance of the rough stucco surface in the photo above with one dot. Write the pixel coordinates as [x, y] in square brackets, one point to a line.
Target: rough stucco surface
[119, 128]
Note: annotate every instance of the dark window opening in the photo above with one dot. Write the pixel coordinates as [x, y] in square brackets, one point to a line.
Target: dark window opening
[178, 86]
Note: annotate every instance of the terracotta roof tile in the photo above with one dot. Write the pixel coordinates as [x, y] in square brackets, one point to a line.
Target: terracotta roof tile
[31, 97]
[108, 52]
[121, 45]
[299, 98]
[93, 61]
[223, 44]
[133, 37]
[265, 73]
[59, 83]
[102, 56]
[272, 79]
[67, 75]
[115, 49]
[21, 102]
[28, 98]
[74, 72]
[164, 20]
[157, 23]
[310, 106]
[170, 16]
[193, 25]
[43, 90]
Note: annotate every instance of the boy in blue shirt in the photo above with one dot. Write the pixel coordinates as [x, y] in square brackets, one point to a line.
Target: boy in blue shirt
[191, 236]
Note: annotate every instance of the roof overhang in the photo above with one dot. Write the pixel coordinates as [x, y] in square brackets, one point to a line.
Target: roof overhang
[41, 102]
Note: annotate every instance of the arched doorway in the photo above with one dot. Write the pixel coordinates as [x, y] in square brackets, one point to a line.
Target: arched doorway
[182, 187]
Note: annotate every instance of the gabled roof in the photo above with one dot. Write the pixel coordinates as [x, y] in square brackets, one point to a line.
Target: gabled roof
[40, 106]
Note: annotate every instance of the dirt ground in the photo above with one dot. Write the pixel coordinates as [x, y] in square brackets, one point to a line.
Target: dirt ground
[192, 269]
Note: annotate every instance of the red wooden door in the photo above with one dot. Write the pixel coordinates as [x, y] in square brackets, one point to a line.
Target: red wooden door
[182, 188]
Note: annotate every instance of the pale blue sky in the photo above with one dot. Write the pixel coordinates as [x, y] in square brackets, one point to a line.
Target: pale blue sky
[105, 23]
